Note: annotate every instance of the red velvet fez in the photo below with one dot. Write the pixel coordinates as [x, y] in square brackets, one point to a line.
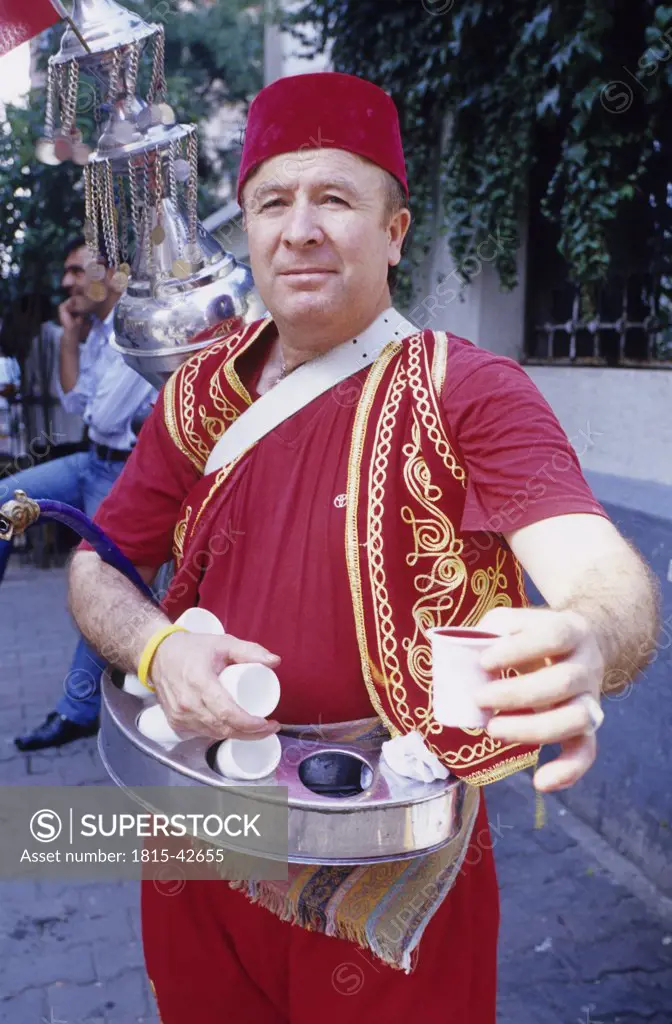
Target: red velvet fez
[325, 110]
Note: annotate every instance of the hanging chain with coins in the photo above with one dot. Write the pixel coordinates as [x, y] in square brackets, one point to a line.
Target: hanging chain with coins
[125, 191]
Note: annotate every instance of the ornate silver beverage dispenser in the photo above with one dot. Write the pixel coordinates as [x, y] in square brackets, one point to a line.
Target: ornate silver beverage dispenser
[178, 287]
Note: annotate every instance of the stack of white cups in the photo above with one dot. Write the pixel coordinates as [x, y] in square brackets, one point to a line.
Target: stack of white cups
[254, 687]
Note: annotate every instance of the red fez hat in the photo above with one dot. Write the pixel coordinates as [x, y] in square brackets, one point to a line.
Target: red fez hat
[325, 110]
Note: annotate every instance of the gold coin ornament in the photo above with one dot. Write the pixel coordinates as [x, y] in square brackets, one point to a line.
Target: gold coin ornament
[119, 281]
[62, 148]
[96, 291]
[182, 170]
[158, 235]
[124, 268]
[181, 269]
[45, 152]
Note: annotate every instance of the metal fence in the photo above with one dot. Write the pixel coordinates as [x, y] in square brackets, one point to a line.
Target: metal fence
[627, 322]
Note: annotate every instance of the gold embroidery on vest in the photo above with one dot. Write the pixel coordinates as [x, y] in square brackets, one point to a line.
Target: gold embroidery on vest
[187, 396]
[426, 403]
[442, 584]
[362, 416]
[170, 418]
[179, 398]
[179, 535]
[156, 999]
[230, 369]
[521, 581]
[382, 607]
[488, 585]
[391, 679]
[213, 425]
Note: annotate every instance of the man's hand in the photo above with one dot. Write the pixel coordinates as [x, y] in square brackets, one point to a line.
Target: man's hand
[561, 666]
[185, 670]
[75, 326]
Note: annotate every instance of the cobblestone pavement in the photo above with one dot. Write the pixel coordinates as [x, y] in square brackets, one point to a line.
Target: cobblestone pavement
[585, 940]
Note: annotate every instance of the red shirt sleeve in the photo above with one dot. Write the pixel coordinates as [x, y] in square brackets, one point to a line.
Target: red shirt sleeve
[141, 511]
[521, 466]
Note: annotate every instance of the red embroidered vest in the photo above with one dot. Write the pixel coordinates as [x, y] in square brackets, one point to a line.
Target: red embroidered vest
[408, 565]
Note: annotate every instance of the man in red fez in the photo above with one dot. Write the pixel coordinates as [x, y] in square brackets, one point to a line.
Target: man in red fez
[410, 490]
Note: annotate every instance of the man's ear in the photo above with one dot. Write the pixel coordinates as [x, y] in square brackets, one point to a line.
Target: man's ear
[397, 230]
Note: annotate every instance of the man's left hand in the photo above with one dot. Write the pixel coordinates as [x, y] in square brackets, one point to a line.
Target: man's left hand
[561, 667]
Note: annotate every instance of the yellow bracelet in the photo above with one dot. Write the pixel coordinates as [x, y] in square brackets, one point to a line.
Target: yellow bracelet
[150, 650]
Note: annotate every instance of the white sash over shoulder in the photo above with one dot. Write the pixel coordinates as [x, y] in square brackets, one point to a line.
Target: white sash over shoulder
[306, 383]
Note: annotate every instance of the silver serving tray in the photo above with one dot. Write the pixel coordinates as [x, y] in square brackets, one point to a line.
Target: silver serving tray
[392, 818]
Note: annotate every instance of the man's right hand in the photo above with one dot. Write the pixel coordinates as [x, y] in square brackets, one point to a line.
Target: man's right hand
[185, 672]
[75, 326]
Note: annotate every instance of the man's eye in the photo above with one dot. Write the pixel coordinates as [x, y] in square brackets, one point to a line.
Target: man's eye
[335, 199]
[270, 203]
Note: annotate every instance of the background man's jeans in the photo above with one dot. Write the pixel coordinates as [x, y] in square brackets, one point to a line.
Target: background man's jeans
[81, 480]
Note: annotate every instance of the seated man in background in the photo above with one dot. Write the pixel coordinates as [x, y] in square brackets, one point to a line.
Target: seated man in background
[96, 384]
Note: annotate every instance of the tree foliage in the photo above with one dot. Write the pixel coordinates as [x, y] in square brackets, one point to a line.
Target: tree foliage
[214, 55]
[502, 100]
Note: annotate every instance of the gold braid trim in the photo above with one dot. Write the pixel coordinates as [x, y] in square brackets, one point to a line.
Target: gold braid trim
[230, 369]
[440, 361]
[502, 769]
[179, 535]
[362, 416]
[156, 998]
[382, 607]
[186, 396]
[180, 397]
[520, 580]
[170, 418]
[426, 402]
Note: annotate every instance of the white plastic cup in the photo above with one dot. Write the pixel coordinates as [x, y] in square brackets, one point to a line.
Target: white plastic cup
[153, 724]
[133, 685]
[248, 759]
[254, 687]
[200, 620]
[457, 677]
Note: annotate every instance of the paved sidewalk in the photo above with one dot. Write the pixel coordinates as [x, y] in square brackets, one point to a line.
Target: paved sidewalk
[577, 946]
[68, 953]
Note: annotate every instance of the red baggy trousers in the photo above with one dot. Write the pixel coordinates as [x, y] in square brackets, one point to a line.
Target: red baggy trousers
[214, 957]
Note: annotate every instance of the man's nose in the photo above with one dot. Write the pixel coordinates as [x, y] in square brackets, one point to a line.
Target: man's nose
[302, 227]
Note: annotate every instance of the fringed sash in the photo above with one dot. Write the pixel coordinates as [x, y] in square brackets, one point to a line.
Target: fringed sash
[385, 907]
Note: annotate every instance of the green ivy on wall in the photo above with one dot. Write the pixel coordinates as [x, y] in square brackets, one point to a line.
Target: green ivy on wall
[499, 101]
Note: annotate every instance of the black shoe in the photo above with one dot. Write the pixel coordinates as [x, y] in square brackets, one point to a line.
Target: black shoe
[55, 731]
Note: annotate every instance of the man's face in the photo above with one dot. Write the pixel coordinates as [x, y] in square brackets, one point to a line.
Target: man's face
[320, 243]
[86, 294]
